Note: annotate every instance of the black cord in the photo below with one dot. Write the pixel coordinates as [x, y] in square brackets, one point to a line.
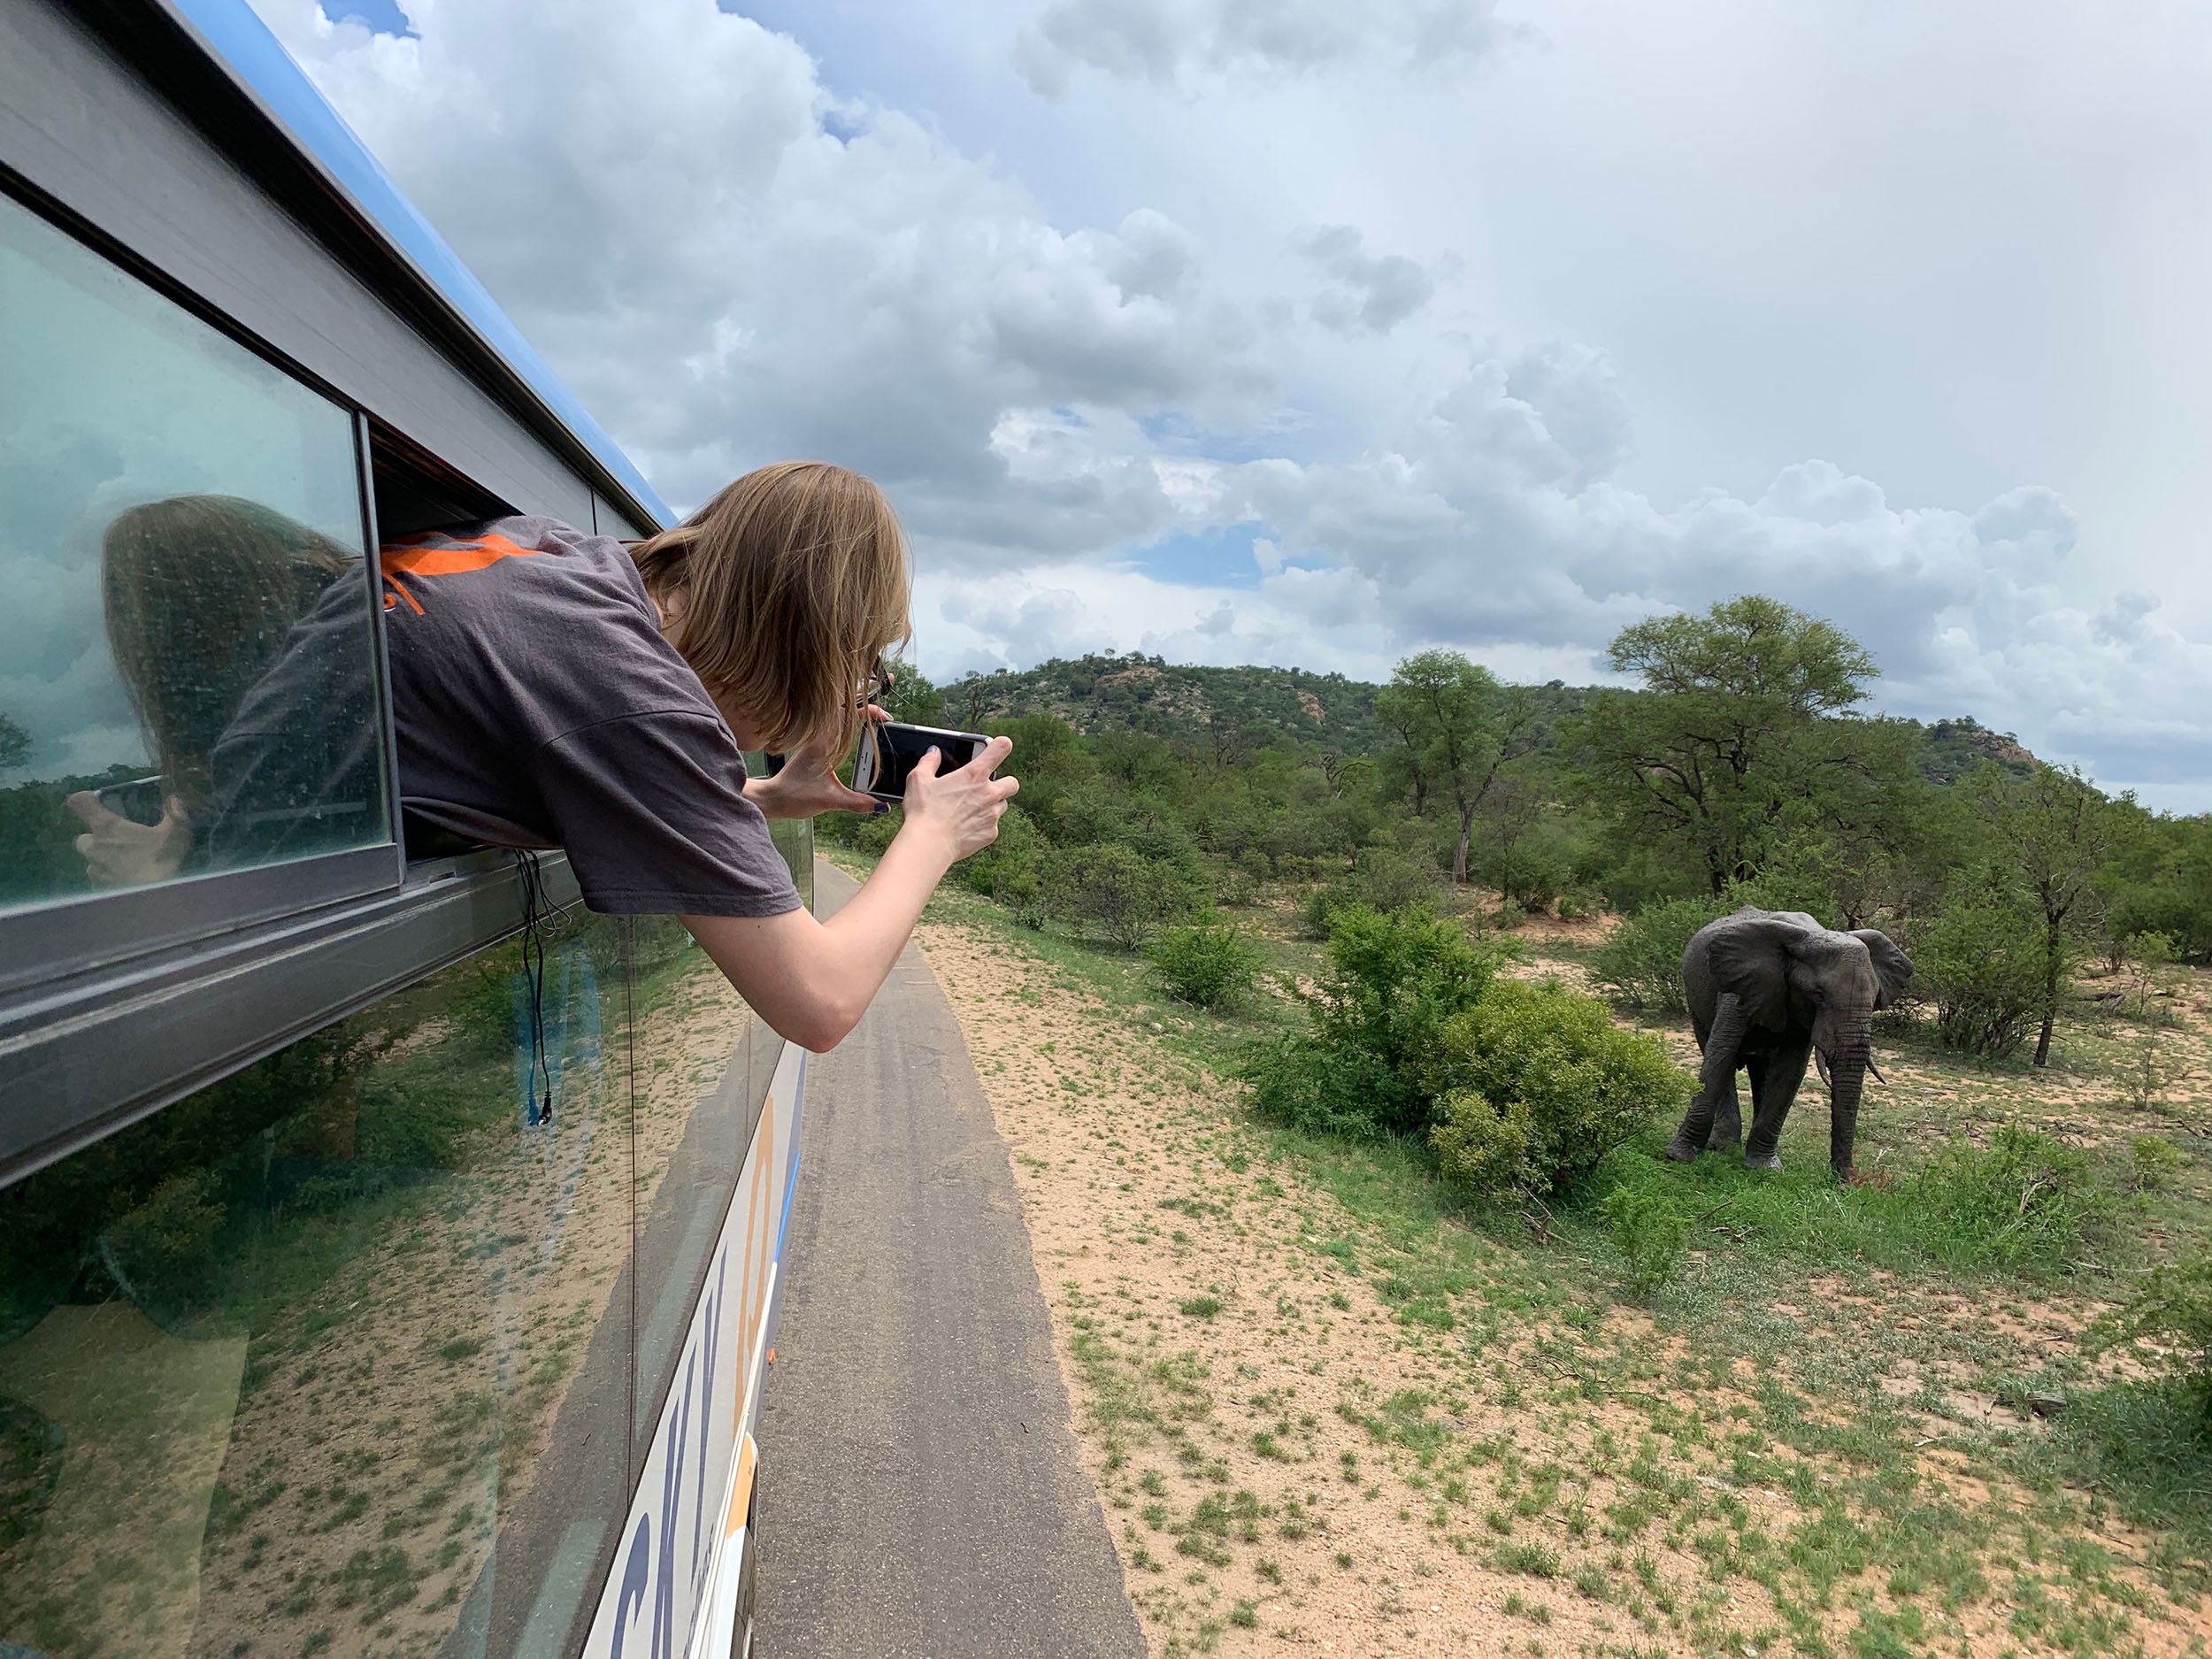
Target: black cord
[534, 910]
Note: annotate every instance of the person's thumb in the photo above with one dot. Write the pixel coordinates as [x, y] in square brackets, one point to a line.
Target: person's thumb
[91, 811]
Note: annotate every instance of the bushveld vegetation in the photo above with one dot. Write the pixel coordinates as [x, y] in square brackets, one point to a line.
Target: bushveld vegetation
[1277, 853]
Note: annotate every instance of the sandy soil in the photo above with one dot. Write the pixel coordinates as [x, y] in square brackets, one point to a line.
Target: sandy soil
[1287, 1456]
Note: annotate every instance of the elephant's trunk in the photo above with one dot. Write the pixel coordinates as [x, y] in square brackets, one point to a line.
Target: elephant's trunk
[1847, 1063]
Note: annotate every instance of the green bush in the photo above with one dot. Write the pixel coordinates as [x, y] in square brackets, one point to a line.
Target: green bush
[2028, 1204]
[2156, 1161]
[1539, 1085]
[870, 832]
[1365, 1064]
[2171, 1312]
[1381, 879]
[1209, 964]
[1652, 1235]
[1009, 870]
[1641, 961]
[1117, 892]
[1980, 961]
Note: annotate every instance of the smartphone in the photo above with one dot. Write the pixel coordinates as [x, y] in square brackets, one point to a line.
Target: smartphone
[139, 800]
[889, 751]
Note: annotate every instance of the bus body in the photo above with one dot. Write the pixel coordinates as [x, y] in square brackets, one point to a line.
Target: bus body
[389, 1248]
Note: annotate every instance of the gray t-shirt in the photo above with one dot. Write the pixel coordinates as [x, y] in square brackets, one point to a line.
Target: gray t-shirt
[538, 705]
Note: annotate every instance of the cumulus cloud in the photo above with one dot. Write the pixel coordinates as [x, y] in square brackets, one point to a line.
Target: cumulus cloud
[730, 264]
[762, 269]
[1165, 40]
[1367, 295]
[1487, 521]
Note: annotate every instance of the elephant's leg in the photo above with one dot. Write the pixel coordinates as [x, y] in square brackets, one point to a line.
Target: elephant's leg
[1727, 1131]
[1716, 1084]
[1774, 1090]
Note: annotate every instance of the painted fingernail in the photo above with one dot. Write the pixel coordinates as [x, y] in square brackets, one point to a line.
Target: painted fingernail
[882, 807]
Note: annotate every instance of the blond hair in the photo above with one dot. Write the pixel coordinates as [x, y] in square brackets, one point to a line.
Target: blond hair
[783, 593]
[200, 594]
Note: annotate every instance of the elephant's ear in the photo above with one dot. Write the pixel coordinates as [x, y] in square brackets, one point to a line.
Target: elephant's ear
[1893, 968]
[1750, 958]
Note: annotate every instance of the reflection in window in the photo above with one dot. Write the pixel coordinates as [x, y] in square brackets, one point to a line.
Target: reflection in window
[281, 1365]
[185, 650]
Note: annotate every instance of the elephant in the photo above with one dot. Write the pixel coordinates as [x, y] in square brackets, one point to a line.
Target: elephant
[1766, 990]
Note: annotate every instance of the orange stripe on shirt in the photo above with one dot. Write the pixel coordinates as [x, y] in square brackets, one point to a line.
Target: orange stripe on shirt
[452, 558]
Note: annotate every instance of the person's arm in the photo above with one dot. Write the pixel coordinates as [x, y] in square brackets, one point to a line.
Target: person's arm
[811, 981]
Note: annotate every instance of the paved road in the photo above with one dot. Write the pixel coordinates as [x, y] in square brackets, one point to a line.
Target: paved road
[920, 1495]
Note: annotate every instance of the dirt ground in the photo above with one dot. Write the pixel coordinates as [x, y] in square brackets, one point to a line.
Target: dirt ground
[1296, 1445]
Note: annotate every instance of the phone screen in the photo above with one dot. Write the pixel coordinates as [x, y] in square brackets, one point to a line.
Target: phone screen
[889, 751]
[138, 800]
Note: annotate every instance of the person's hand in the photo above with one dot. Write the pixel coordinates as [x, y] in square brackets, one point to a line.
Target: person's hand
[962, 809]
[807, 786]
[120, 852]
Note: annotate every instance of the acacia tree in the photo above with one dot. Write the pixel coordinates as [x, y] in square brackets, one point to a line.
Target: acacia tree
[1455, 727]
[2057, 829]
[1738, 736]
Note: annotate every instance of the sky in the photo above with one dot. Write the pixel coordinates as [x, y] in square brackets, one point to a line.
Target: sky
[1284, 331]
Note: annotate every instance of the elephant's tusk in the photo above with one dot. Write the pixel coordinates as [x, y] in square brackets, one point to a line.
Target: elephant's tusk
[1820, 1060]
[1876, 1070]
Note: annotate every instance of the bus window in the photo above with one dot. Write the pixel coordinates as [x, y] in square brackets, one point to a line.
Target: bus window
[334, 1356]
[186, 680]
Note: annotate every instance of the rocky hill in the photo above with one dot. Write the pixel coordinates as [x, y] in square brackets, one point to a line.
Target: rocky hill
[1188, 704]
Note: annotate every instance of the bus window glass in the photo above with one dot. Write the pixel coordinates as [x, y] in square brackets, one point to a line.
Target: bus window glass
[336, 1356]
[187, 676]
[698, 1105]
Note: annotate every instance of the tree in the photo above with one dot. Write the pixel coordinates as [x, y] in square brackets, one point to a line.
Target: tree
[1454, 727]
[2056, 829]
[15, 744]
[1739, 735]
[912, 698]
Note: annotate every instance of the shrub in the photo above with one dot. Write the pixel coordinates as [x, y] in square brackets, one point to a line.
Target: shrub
[1381, 879]
[1235, 887]
[1540, 1085]
[1651, 1234]
[1641, 961]
[1981, 963]
[867, 831]
[1535, 1560]
[2027, 1204]
[1116, 890]
[1009, 870]
[1365, 1064]
[2157, 1160]
[2171, 1310]
[1209, 964]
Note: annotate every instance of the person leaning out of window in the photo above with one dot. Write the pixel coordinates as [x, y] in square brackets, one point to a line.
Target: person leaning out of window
[552, 688]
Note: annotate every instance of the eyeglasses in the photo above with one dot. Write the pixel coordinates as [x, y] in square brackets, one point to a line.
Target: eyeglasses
[877, 683]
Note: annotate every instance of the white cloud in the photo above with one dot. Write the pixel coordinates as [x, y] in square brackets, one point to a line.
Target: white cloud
[1165, 40]
[1368, 295]
[732, 265]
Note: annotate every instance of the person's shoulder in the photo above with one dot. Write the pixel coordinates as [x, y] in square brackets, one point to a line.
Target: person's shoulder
[517, 558]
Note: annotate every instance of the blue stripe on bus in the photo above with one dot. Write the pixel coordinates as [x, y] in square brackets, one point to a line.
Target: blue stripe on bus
[791, 1170]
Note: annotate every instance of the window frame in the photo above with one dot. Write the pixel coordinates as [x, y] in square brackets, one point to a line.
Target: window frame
[71, 933]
